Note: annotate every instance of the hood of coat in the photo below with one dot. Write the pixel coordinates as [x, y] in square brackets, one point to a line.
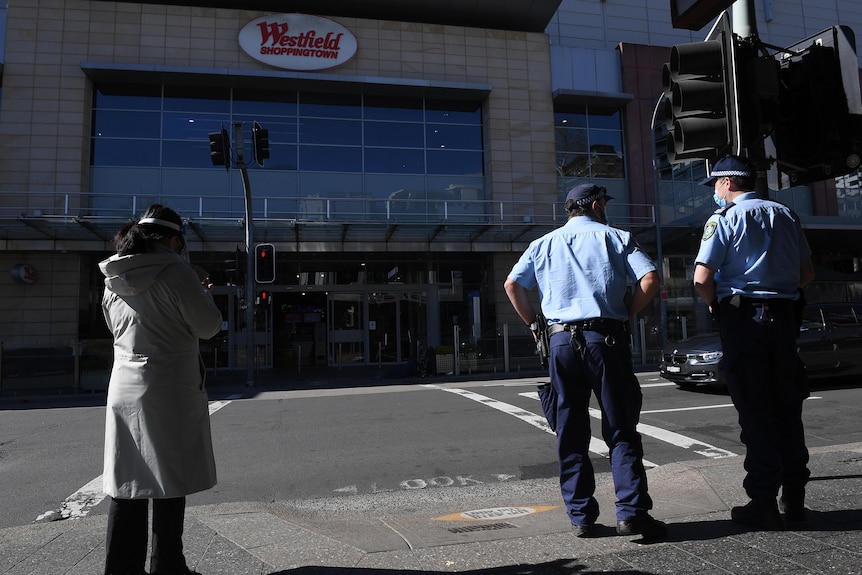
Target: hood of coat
[134, 274]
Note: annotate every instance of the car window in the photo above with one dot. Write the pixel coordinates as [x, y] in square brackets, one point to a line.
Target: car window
[840, 316]
[811, 318]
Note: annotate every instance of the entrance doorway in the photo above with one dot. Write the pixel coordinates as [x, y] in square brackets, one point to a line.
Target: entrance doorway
[378, 325]
[332, 325]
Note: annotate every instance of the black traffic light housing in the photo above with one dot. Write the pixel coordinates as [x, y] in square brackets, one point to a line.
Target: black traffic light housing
[220, 148]
[695, 14]
[260, 141]
[818, 121]
[264, 263]
[701, 90]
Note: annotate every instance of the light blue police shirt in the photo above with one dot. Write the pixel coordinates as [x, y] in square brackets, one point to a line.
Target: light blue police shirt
[756, 247]
[582, 270]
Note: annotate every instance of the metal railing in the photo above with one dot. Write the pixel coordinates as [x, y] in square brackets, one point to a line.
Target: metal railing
[93, 208]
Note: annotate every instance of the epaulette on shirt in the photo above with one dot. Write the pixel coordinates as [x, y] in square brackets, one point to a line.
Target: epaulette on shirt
[723, 209]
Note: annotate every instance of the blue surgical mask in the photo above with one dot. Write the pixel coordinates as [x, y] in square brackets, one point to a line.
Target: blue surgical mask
[720, 202]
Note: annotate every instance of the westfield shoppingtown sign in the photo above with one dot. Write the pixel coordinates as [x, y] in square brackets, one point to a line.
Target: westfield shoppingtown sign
[297, 42]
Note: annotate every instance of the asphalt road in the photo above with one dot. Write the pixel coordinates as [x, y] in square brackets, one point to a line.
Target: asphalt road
[284, 445]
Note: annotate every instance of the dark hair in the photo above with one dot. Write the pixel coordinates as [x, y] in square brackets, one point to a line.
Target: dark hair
[573, 209]
[137, 237]
[746, 183]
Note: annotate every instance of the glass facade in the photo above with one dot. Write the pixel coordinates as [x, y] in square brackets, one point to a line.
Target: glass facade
[589, 147]
[377, 154]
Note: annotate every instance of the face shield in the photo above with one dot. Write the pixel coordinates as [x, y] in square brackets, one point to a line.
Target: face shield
[184, 251]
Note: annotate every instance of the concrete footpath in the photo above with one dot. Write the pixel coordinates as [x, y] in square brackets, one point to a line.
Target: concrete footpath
[517, 527]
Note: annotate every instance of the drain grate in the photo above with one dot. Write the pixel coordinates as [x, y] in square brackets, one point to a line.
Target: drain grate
[485, 527]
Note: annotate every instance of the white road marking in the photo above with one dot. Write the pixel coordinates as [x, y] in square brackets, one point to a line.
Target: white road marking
[83, 500]
[597, 445]
[699, 407]
[671, 437]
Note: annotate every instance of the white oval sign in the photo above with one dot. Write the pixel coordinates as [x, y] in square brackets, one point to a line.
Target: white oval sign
[297, 42]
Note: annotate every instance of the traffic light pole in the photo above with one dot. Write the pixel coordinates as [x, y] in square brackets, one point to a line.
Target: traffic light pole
[745, 26]
[249, 256]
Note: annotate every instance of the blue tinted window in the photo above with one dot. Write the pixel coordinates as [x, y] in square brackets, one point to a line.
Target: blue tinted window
[330, 134]
[571, 119]
[607, 118]
[454, 112]
[320, 131]
[394, 161]
[394, 109]
[181, 126]
[186, 154]
[119, 152]
[128, 97]
[330, 105]
[264, 103]
[197, 99]
[281, 130]
[589, 142]
[130, 124]
[330, 159]
[394, 134]
[449, 136]
[456, 163]
[281, 157]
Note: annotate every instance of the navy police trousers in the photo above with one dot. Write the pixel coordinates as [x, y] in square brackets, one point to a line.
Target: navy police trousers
[767, 383]
[585, 363]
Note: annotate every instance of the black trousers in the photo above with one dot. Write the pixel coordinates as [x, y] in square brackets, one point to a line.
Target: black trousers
[127, 537]
[768, 385]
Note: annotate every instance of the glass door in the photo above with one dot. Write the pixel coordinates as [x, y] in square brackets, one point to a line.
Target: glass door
[346, 326]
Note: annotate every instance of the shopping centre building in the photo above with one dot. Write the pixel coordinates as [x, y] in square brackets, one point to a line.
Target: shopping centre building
[415, 148]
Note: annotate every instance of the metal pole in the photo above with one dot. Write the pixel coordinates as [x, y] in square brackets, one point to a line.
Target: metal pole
[249, 256]
[506, 347]
[744, 25]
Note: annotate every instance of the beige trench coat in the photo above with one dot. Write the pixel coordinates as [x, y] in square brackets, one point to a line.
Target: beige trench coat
[157, 428]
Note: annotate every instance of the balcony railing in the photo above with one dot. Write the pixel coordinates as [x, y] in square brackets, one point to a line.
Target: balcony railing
[117, 207]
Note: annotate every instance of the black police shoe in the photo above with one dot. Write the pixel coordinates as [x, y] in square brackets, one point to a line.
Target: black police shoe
[792, 507]
[584, 531]
[763, 515]
[644, 525]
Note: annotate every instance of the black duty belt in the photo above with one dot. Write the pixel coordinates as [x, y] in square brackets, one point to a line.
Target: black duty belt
[737, 301]
[599, 324]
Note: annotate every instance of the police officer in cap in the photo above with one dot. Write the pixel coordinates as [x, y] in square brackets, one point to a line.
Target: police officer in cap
[752, 263]
[582, 270]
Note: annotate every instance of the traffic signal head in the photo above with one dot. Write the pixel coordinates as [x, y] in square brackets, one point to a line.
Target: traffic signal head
[264, 263]
[818, 123]
[260, 141]
[220, 148]
[701, 97]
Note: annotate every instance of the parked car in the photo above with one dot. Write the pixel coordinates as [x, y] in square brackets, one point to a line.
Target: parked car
[830, 344]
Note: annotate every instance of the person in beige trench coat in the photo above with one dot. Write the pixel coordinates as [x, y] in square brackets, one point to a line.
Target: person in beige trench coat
[158, 442]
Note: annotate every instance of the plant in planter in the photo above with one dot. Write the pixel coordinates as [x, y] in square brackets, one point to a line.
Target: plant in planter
[445, 355]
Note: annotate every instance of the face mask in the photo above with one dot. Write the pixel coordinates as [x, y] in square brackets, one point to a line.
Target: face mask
[720, 201]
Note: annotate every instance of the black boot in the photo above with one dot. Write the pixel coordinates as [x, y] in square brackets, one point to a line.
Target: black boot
[792, 504]
[762, 514]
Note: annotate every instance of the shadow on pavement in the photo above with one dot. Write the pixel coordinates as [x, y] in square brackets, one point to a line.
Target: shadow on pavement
[557, 567]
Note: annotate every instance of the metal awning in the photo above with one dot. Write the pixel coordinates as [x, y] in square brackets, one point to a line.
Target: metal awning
[95, 234]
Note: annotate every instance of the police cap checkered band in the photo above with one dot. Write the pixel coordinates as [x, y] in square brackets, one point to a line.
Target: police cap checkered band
[163, 223]
[586, 194]
[729, 167]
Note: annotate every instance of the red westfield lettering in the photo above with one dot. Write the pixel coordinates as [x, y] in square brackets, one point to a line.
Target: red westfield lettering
[276, 35]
